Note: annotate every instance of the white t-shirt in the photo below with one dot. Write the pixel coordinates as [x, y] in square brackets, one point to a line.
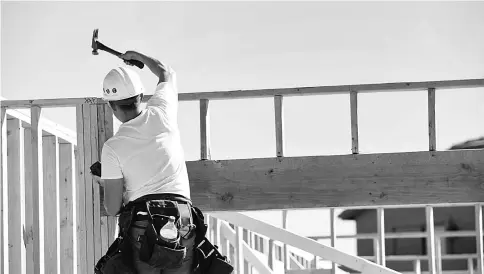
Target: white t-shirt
[146, 151]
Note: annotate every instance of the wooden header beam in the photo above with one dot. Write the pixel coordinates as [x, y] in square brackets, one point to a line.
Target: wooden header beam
[264, 93]
[442, 177]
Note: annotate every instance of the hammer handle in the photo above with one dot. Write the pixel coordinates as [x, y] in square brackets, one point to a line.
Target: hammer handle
[137, 63]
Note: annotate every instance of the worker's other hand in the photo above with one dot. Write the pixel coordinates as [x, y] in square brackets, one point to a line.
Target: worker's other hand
[98, 180]
[132, 55]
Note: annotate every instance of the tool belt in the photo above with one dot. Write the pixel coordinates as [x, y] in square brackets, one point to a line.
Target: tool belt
[155, 251]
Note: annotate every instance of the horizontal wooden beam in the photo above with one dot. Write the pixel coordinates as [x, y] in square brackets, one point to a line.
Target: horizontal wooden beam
[338, 181]
[260, 93]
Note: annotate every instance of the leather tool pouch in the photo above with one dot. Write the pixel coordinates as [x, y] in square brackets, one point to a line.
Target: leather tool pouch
[154, 250]
[118, 257]
[208, 260]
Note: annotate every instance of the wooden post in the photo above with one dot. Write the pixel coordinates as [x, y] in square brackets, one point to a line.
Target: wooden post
[381, 235]
[431, 239]
[431, 109]
[49, 197]
[66, 180]
[278, 108]
[204, 130]
[416, 267]
[270, 255]
[332, 221]
[438, 253]
[15, 181]
[37, 181]
[354, 122]
[96, 199]
[81, 195]
[216, 232]
[470, 265]
[3, 177]
[285, 251]
[105, 240]
[88, 185]
[239, 252]
[29, 207]
[479, 240]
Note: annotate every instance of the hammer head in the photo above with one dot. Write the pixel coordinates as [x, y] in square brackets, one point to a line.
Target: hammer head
[94, 42]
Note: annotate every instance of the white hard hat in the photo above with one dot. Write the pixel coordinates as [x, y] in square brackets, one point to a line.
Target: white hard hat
[121, 83]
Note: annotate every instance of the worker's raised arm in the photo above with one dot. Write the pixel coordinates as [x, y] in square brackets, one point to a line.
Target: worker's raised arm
[157, 67]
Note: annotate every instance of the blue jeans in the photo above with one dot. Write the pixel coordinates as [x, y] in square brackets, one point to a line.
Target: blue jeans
[143, 268]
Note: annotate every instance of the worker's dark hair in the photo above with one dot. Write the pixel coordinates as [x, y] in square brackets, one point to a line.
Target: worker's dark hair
[128, 104]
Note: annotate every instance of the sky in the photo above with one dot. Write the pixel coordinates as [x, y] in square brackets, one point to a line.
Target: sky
[220, 46]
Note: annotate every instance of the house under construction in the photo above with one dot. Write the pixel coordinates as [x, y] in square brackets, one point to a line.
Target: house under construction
[53, 220]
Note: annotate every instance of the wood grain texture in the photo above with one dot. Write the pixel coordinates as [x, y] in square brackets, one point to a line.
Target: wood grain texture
[37, 181]
[66, 180]
[338, 181]
[95, 156]
[279, 124]
[15, 180]
[50, 152]
[105, 241]
[88, 185]
[29, 207]
[80, 195]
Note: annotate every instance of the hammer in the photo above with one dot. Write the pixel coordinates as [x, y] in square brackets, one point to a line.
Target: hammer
[96, 45]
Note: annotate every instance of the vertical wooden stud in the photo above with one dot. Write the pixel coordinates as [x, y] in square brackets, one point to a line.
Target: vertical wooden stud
[431, 109]
[239, 252]
[96, 199]
[66, 180]
[50, 181]
[270, 255]
[285, 250]
[29, 206]
[332, 221]
[431, 239]
[381, 235]
[3, 179]
[81, 242]
[416, 267]
[37, 181]
[479, 240]
[204, 130]
[88, 185]
[354, 122]
[15, 181]
[279, 109]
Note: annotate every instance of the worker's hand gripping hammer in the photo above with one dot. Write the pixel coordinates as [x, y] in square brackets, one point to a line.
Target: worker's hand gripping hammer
[96, 45]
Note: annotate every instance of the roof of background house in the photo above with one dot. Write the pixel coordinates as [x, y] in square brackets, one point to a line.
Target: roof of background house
[353, 214]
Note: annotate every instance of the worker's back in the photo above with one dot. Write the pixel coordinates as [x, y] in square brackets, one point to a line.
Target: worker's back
[148, 149]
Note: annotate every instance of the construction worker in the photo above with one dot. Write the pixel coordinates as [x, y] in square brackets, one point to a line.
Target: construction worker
[143, 170]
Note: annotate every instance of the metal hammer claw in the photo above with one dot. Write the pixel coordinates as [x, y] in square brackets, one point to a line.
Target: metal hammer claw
[96, 45]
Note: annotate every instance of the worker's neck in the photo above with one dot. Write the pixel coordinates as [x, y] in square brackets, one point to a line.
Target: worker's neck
[128, 116]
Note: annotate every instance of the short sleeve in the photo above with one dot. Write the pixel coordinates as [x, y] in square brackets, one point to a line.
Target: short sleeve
[110, 166]
[165, 99]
